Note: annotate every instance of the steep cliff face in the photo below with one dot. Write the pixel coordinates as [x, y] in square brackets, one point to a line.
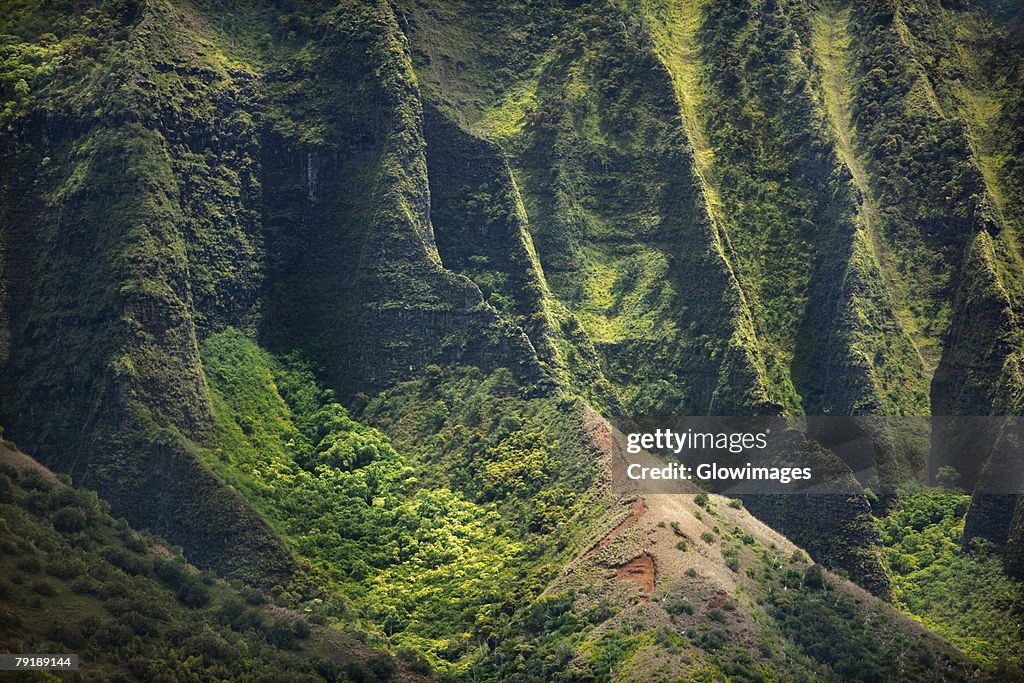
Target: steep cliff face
[481, 228]
[354, 273]
[130, 225]
[623, 234]
[969, 69]
[635, 241]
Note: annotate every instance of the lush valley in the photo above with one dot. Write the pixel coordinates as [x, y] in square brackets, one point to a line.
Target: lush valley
[330, 303]
[962, 594]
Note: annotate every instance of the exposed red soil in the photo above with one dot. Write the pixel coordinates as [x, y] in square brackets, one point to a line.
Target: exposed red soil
[602, 434]
[639, 570]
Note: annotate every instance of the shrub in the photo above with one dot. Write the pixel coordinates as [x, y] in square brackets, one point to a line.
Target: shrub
[711, 640]
[130, 564]
[33, 480]
[38, 503]
[948, 478]
[67, 634]
[742, 667]
[139, 623]
[65, 567]
[358, 672]
[253, 596]
[212, 646]
[814, 577]
[85, 585]
[193, 593]
[113, 635]
[301, 629]
[414, 660]
[118, 606]
[280, 634]
[8, 620]
[792, 579]
[68, 520]
[235, 614]
[677, 604]
[682, 545]
[702, 500]
[382, 667]
[90, 623]
[43, 587]
[169, 572]
[707, 537]
[231, 613]
[601, 612]
[29, 565]
[134, 543]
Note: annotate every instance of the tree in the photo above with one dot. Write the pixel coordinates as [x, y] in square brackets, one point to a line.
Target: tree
[948, 478]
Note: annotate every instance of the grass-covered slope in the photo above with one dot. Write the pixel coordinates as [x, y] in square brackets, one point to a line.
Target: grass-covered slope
[76, 580]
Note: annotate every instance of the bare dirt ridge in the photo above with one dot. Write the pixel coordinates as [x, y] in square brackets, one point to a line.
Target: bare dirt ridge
[637, 509]
[639, 570]
[659, 549]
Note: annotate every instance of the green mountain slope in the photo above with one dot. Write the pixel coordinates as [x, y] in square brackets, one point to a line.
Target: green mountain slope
[840, 199]
[335, 295]
[77, 580]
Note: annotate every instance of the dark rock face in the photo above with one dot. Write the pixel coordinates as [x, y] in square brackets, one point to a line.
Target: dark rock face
[354, 273]
[850, 543]
[140, 236]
